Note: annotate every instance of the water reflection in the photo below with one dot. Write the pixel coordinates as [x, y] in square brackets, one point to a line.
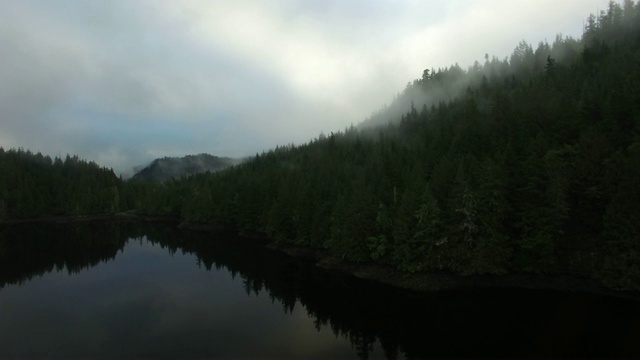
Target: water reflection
[141, 302]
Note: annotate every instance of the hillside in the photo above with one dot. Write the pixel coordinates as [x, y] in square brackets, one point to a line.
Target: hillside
[174, 168]
[33, 185]
[524, 165]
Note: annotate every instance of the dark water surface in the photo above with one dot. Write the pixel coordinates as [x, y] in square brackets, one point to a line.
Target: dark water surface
[140, 290]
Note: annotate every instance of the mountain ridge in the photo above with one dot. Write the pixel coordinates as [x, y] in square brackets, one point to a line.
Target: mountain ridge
[167, 168]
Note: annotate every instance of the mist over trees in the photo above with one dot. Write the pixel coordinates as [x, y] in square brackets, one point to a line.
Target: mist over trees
[175, 168]
[526, 164]
[446, 84]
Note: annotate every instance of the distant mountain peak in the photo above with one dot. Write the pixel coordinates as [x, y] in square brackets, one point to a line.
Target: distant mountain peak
[167, 168]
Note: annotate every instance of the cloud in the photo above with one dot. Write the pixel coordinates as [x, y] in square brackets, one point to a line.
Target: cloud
[121, 82]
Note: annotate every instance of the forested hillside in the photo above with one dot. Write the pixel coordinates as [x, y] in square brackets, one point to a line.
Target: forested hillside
[533, 167]
[34, 185]
[528, 164]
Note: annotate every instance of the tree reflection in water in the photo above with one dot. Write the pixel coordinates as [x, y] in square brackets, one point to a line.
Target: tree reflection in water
[482, 322]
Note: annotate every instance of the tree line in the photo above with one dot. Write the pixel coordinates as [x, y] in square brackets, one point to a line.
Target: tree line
[33, 185]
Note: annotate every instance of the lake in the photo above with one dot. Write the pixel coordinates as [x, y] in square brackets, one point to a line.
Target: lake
[109, 289]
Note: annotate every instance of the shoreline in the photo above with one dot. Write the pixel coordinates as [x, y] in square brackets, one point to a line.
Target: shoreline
[420, 282]
[63, 219]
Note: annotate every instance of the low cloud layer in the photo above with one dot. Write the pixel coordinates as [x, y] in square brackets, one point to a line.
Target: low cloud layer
[122, 82]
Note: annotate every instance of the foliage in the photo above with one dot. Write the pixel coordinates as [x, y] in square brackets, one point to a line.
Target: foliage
[33, 185]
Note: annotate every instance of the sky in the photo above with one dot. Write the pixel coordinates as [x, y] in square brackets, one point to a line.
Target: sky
[122, 82]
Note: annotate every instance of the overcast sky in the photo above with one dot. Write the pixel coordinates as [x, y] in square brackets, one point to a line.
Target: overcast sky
[121, 82]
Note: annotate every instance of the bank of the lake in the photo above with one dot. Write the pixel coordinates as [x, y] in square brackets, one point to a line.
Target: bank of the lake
[64, 219]
[419, 281]
[371, 271]
[429, 281]
[149, 289]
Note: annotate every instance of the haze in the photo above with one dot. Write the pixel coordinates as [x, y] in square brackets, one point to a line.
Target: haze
[123, 82]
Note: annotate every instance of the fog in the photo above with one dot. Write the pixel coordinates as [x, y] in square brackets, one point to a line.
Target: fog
[121, 82]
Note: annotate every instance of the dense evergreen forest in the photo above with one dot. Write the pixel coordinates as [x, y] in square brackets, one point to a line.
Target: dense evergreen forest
[34, 185]
[526, 164]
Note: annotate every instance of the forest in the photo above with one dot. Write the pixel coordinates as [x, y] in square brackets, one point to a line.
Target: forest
[528, 164]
